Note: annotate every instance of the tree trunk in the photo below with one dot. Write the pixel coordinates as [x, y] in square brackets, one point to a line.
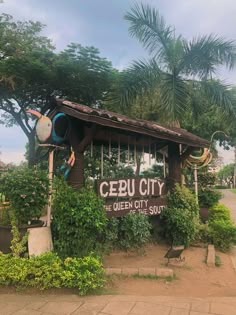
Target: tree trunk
[174, 163]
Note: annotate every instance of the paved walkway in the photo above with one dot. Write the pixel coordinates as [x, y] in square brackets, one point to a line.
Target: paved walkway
[19, 304]
[229, 199]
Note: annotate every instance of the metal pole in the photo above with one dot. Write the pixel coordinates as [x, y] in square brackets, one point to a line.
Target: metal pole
[196, 183]
[50, 177]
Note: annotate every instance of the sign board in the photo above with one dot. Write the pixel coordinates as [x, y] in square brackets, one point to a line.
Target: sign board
[132, 195]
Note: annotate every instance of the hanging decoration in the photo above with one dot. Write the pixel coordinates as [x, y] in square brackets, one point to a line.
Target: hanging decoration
[199, 161]
[68, 164]
[53, 131]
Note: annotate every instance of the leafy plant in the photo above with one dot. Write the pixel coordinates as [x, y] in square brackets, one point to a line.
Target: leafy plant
[84, 273]
[79, 219]
[222, 234]
[220, 229]
[218, 261]
[134, 231]
[206, 179]
[181, 217]
[219, 212]
[111, 233]
[208, 197]
[18, 242]
[49, 271]
[27, 191]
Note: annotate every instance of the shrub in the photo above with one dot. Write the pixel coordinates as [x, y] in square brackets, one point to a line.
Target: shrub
[27, 191]
[208, 197]
[181, 217]
[49, 271]
[219, 212]
[222, 234]
[206, 179]
[79, 219]
[134, 231]
[203, 234]
[84, 273]
[111, 233]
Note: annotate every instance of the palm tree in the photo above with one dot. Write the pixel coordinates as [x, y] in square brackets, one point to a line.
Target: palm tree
[178, 70]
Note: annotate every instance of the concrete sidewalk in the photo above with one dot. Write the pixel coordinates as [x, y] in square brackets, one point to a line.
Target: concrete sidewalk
[19, 304]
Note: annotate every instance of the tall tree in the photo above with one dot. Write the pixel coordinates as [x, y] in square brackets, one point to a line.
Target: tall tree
[178, 71]
[25, 72]
[30, 72]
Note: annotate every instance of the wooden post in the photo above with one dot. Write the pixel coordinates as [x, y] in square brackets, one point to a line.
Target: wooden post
[50, 177]
[196, 183]
[174, 164]
[76, 175]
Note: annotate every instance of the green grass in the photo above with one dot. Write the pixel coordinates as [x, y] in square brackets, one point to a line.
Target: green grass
[233, 190]
[218, 261]
[153, 277]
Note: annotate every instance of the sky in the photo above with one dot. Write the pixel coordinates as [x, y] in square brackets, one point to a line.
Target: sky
[101, 23]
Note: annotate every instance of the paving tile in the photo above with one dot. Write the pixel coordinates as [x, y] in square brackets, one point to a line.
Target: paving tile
[117, 308]
[199, 313]
[27, 312]
[35, 305]
[142, 308]
[60, 308]
[222, 309]
[179, 311]
[200, 307]
[89, 308]
[177, 304]
[8, 309]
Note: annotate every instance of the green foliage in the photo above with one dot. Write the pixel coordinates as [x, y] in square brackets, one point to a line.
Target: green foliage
[181, 217]
[27, 191]
[84, 273]
[208, 197]
[174, 65]
[218, 261]
[79, 219]
[206, 179]
[220, 229]
[219, 212]
[49, 271]
[203, 233]
[226, 174]
[111, 233]
[18, 243]
[31, 71]
[222, 234]
[134, 231]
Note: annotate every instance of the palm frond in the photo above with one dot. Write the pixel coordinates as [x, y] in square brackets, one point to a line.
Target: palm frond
[204, 54]
[137, 80]
[174, 96]
[149, 27]
[221, 96]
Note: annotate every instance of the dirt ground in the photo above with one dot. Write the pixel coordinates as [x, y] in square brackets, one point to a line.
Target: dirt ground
[193, 277]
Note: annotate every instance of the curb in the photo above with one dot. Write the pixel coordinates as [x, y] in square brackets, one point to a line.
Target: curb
[159, 272]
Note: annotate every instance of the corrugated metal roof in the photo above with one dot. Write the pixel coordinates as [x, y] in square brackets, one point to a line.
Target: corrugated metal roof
[118, 121]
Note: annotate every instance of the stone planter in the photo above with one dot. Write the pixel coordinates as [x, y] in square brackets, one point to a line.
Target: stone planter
[6, 235]
[204, 214]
